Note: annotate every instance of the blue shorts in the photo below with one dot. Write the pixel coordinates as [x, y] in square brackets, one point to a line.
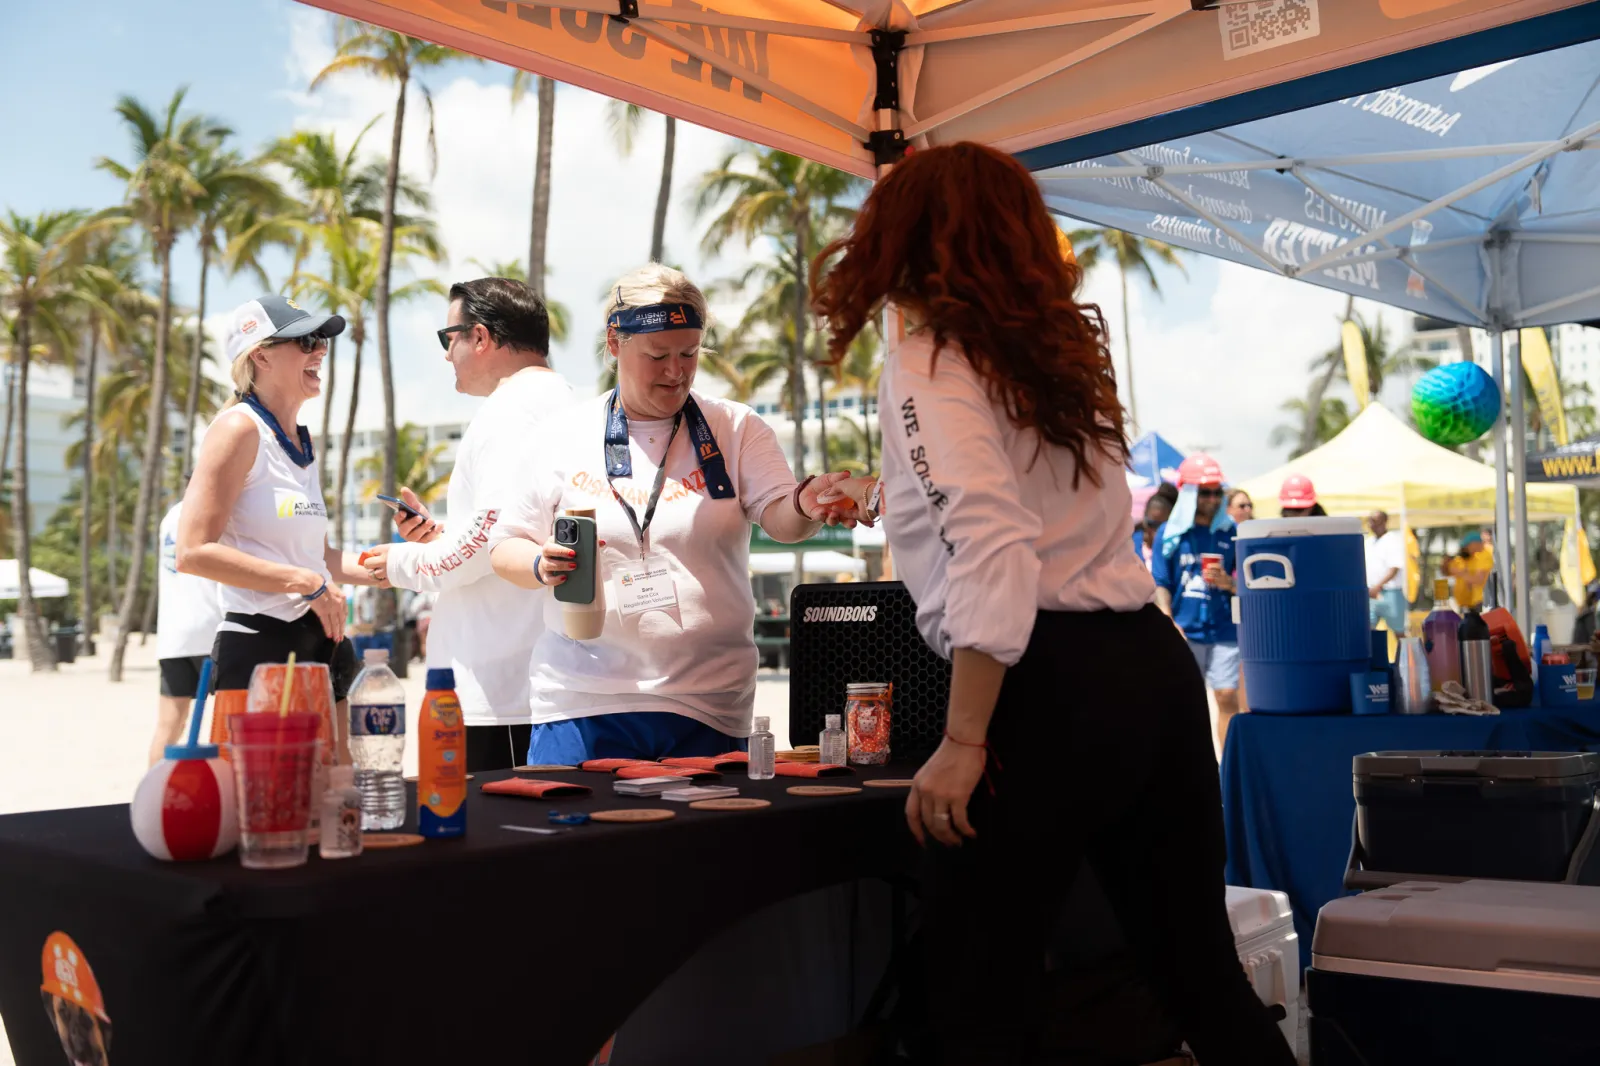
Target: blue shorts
[1219, 663]
[1390, 607]
[628, 735]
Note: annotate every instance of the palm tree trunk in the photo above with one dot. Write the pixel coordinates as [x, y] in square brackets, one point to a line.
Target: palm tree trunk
[797, 372]
[11, 414]
[113, 492]
[191, 405]
[330, 364]
[866, 427]
[40, 655]
[85, 570]
[385, 260]
[658, 235]
[349, 438]
[152, 590]
[541, 186]
[150, 472]
[1127, 341]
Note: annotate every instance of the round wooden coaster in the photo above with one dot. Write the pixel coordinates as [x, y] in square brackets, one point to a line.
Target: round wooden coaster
[634, 814]
[541, 768]
[388, 840]
[823, 790]
[731, 803]
[889, 782]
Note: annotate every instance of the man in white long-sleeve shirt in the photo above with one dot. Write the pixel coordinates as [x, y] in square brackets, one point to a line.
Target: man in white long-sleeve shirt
[483, 627]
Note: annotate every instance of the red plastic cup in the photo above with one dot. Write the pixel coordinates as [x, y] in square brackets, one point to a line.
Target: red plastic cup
[275, 758]
[1208, 560]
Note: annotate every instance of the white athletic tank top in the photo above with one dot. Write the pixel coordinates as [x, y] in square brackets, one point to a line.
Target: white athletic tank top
[280, 517]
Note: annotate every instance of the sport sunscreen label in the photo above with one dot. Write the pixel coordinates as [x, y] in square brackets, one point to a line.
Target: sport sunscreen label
[441, 767]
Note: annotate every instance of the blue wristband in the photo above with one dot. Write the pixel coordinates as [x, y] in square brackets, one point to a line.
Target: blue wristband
[319, 592]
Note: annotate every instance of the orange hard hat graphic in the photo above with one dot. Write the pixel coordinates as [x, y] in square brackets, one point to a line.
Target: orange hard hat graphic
[67, 974]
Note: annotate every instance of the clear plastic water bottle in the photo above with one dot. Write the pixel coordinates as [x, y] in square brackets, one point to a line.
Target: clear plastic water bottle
[763, 751]
[831, 744]
[378, 741]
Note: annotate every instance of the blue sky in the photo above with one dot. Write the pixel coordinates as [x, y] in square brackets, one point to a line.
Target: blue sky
[1214, 357]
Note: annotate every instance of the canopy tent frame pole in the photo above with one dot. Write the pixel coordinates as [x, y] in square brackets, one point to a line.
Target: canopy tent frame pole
[1502, 517]
[1404, 253]
[917, 38]
[1519, 458]
[1183, 198]
[1494, 177]
[1570, 298]
[689, 17]
[1068, 172]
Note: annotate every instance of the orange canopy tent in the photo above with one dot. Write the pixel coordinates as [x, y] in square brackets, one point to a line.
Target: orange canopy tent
[851, 82]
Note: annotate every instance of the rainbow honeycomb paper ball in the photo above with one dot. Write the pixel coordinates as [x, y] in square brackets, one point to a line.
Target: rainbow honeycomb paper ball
[1455, 404]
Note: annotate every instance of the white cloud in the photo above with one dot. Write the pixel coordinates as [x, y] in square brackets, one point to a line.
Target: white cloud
[601, 206]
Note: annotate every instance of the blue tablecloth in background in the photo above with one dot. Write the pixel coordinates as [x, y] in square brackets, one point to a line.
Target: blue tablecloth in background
[1287, 793]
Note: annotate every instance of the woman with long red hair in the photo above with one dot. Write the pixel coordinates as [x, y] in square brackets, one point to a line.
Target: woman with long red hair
[1077, 728]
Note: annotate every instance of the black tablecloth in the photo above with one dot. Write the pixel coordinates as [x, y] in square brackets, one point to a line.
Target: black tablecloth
[401, 956]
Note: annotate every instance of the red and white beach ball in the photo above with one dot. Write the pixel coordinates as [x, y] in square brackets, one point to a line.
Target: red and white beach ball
[185, 810]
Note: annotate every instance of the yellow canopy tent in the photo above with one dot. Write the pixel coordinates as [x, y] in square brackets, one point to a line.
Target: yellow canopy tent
[1380, 464]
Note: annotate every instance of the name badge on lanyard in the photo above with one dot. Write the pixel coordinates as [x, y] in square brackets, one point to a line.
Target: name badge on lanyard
[646, 586]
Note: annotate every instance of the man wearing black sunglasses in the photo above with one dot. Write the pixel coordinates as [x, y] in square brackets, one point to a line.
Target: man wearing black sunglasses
[1193, 569]
[497, 342]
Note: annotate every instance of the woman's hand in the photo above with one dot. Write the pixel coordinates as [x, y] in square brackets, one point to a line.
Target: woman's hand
[846, 500]
[822, 502]
[556, 561]
[937, 804]
[330, 611]
[376, 561]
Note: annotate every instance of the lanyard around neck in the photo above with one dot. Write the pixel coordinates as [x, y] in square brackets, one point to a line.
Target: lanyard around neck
[303, 456]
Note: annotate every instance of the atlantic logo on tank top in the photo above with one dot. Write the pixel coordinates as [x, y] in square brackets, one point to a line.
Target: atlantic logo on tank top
[292, 504]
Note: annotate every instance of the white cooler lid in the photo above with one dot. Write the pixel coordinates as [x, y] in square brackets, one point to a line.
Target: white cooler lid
[1263, 528]
[1254, 911]
[1473, 925]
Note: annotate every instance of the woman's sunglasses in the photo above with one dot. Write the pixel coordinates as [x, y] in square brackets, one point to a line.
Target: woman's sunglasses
[308, 344]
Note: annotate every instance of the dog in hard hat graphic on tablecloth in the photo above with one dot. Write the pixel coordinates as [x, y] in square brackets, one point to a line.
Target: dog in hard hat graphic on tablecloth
[72, 1001]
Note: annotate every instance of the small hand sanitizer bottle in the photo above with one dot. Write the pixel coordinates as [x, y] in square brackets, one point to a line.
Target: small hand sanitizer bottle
[831, 743]
[341, 815]
[763, 751]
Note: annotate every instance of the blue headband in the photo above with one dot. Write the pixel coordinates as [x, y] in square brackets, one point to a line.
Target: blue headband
[655, 318]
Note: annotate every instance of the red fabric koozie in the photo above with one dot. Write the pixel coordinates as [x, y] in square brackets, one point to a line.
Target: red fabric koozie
[658, 770]
[533, 788]
[718, 763]
[608, 765]
[735, 756]
[810, 769]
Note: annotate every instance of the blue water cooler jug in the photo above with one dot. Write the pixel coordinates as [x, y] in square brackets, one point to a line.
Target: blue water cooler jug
[1303, 612]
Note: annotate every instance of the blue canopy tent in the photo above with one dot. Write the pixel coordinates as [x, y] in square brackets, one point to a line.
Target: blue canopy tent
[1152, 460]
[1472, 197]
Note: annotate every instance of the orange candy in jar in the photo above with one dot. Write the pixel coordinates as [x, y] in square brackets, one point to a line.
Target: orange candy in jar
[866, 712]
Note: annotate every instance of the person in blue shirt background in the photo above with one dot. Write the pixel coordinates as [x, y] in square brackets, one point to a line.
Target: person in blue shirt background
[1197, 592]
[1156, 511]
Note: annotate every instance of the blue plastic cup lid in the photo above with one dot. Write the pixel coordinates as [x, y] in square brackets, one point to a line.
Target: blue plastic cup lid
[176, 752]
[440, 678]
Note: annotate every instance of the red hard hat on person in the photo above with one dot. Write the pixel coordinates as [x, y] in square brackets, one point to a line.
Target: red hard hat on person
[1200, 470]
[1297, 491]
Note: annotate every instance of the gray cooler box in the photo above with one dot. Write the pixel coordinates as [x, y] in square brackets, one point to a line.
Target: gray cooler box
[1470, 973]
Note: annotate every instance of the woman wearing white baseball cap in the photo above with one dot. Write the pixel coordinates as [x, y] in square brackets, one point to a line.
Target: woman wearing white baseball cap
[254, 519]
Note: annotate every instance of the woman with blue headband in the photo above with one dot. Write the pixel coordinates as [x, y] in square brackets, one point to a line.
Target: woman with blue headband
[674, 479]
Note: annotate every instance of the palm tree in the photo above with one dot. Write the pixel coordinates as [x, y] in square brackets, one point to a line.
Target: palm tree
[560, 318]
[232, 193]
[40, 284]
[417, 461]
[162, 197]
[625, 120]
[399, 59]
[1331, 418]
[539, 229]
[351, 284]
[1133, 255]
[767, 195]
[111, 274]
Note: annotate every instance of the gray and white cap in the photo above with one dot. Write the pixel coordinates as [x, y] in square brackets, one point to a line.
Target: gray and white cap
[275, 317]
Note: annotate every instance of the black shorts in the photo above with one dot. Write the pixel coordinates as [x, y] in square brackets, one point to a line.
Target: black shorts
[180, 677]
[271, 640]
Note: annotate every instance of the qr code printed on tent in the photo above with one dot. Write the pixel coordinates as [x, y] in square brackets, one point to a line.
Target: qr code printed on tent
[1251, 28]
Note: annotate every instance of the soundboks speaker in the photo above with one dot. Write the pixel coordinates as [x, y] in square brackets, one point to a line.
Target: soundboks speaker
[840, 634]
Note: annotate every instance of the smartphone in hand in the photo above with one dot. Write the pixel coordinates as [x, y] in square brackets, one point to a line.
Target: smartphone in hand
[399, 506]
[578, 534]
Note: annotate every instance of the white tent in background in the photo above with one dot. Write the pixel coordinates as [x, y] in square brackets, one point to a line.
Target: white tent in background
[816, 563]
[46, 586]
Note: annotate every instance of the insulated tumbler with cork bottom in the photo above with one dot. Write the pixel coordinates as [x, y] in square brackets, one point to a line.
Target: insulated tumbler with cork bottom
[1477, 668]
